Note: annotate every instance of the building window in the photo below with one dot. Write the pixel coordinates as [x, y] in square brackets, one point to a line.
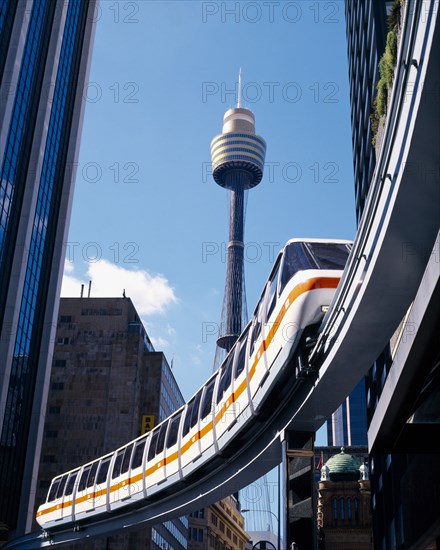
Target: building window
[214, 520]
[356, 509]
[65, 319]
[349, 509]
[57, 385]
[60, 363]
[200, 539]
[342, 508]
[335, 508]
[55, 410]
[52, 433]
[222, 527]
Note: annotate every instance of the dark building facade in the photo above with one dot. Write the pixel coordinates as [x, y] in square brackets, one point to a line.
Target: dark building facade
[402, 385]
[107, 386]
[366, 36]
[45, 49]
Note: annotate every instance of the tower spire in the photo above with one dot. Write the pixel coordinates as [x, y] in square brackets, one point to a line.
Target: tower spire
[239, 90]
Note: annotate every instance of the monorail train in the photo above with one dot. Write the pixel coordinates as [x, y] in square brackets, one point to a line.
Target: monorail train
[299, 290]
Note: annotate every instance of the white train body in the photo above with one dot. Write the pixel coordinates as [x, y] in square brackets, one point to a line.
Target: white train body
[300, 288]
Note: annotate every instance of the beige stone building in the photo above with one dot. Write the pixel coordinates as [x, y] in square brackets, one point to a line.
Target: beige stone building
[217, 527]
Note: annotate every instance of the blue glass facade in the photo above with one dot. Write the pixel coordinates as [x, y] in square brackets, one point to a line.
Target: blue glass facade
[348, 425]
[366, 32]
[32, 187]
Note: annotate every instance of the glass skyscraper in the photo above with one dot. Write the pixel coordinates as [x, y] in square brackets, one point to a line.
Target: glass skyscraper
[366, 35]
[403, 464]
[45, 49]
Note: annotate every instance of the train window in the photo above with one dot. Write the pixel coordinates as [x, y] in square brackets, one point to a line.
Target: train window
[138, 453]
[192, 412]
[187, 422]
[92, 474]
[126, 459]
[103, 471]
[62, 485]
[53, 489]
[256, 331]
[225, 377]
[329, 255]
[153, 443]
[83, 480]
[241, 359]
[295, 259]
[272, 297]
[161, 438]
[70, 484]
[174, 430]
[118, 463]
[207, 400]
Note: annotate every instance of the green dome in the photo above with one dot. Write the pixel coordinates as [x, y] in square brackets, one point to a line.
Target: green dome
[343, 467]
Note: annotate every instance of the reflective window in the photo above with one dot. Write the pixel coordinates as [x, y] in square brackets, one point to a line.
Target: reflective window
[225, 377]
[138, 453]
[153, 443]
[70, 484]
[92, 474]
[53, 489]
[300, 256]
[207, 400]
[241, 359]
[62, 485]
[256, 329]
[126, 459]
[192, 412]
[174, 430]
[161, 438]
[118, 463]
[103, 471]
[329, 255]
[272, 297]
[83, 479]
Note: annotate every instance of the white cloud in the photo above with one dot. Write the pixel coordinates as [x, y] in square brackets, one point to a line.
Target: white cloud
[159, 342]
[150, 293]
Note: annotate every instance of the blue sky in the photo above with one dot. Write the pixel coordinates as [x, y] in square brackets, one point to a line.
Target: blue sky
[147, 216]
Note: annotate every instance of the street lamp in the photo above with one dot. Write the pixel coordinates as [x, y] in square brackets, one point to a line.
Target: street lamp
[274, 515]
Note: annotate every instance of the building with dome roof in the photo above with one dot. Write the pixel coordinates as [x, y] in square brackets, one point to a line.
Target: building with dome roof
[344, 509]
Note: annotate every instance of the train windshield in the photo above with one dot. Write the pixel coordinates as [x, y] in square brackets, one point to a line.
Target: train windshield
[299, 256]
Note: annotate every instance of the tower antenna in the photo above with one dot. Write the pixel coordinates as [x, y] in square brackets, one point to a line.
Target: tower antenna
[239, 90]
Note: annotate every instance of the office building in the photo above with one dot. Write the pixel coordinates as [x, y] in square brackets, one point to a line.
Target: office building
[45, 48]
[108, 386]
[402, 384]
[348, 424]
[366, 36]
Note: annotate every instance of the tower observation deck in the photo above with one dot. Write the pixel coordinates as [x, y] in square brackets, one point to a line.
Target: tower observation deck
[238, 155]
